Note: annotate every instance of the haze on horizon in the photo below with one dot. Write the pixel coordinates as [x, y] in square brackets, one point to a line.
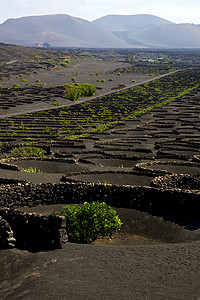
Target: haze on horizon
[177, 11]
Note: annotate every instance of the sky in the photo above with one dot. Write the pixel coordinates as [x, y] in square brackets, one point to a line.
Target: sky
[177, 11]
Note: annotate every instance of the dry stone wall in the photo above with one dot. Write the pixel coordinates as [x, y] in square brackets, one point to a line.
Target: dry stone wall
[37, 232]
[153, 200]
[31, 231]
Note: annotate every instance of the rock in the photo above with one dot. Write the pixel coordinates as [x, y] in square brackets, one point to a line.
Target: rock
[6, 235]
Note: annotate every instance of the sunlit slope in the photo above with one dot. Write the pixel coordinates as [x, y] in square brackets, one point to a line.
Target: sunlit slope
[57, 30]
[151, 31]
[173, 35]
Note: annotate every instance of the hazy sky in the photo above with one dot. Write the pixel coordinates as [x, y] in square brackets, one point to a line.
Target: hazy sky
[178, 11]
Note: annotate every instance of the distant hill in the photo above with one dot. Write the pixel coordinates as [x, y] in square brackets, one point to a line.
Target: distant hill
[172, 35]
[112, 31]
[150, 31]
[128, 22]
[56, 30]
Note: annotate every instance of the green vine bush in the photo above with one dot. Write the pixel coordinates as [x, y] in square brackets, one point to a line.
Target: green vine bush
[82, 90]
[28, 152]
[55, 103]
[16, 86]
[31, 170]
[91, 221]
[64, 64]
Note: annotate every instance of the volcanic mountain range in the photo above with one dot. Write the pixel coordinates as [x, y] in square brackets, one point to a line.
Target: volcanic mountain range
[112, 31]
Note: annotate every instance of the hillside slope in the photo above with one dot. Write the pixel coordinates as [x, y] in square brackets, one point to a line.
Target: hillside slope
[128, 22]
[112, 31]
[57, 30]
[172, 35]
[150, 31]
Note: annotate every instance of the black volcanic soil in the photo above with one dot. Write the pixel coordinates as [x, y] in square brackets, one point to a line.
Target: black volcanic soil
[150, 258]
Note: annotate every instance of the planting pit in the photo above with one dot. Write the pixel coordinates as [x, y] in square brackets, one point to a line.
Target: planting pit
[138, 227]
[56, 166]
[113, 162]
[164, 167]
[116, 178]
[50, 166]
[178, 169]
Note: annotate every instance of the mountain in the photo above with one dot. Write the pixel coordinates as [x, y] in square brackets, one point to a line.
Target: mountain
[123, 23]
[172, 35]
[150, 31]
[57, 30]
[112, 31]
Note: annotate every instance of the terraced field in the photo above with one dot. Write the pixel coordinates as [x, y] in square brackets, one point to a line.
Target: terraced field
[137, 148]
[109, 136]
[97, 115]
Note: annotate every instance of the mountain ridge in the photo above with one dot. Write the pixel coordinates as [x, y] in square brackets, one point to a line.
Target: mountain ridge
[129, 22]
[111, 31]
[66, 31]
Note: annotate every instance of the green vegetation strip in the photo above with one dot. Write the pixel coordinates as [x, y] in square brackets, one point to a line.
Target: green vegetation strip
[99, 114]
[28, 152]
[107, 126]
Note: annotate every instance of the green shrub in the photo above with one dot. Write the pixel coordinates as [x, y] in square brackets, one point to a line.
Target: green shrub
[31, 170]
[37, 57]
[67, 60]
[47, 129]
[73, 94]
[82, 90]
[9, 134]
[16, 85]
[24, 80]
[50, 60]
[55, 103]
[65, 85]
[28, 152]
[73, 79]
[64, 64]
[93, 220]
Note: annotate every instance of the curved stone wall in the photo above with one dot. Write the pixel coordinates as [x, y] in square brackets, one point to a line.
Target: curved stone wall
[189, 182]
[169, 203]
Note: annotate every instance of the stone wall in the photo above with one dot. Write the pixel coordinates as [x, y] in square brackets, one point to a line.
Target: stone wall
[36, 232]
[156, 201]
[31, 231]
[181, 181]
